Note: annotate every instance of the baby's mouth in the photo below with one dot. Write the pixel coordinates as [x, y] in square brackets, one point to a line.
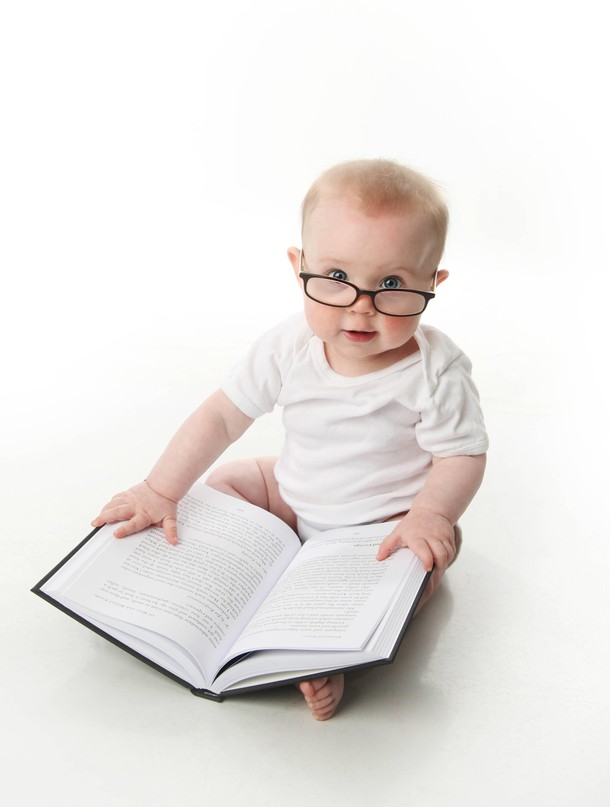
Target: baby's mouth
[359, 336]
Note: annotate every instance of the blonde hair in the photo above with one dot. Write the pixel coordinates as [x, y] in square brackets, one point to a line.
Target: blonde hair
[381, 186]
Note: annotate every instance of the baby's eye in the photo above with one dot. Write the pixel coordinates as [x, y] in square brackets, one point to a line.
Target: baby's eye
[338, 274]
[391, 283]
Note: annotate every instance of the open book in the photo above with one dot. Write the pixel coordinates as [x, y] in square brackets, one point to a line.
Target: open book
[240, 603]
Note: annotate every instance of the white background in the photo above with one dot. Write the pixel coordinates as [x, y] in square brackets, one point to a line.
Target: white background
[153, 159]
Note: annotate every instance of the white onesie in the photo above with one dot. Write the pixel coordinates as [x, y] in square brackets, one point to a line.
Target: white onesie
[358, 448]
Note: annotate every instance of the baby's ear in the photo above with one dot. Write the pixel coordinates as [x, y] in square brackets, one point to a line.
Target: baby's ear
[441, 275]
[294, 256]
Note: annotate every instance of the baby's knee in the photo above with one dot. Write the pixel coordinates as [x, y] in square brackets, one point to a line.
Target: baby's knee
[437, 575]
[457, 532]
[254, 481]
[236, 477]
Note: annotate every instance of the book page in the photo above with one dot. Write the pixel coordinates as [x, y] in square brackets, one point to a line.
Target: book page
[199, 593]
[333, 595]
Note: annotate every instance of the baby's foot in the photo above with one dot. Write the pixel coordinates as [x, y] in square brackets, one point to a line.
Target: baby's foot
[323, 695]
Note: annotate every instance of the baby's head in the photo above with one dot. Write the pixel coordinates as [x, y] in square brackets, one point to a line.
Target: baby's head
[373, 236]
[377, 187]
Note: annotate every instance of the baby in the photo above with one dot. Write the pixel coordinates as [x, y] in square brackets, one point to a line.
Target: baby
[381, 416]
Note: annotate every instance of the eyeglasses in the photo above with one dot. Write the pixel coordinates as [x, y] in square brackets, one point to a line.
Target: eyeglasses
[342, 294]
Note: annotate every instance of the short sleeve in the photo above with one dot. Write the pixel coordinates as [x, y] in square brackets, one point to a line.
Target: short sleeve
[452, 421]
[256, 381]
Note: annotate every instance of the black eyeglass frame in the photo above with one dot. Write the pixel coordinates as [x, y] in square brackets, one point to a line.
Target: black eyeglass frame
[427, 295]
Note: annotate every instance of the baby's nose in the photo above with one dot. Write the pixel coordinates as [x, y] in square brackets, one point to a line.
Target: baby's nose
[363, 305]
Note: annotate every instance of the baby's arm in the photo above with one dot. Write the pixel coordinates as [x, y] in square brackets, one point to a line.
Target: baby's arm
[427, 529]
[197, 444]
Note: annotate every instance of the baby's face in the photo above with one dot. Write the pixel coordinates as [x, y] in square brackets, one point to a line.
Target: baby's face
[366, 251]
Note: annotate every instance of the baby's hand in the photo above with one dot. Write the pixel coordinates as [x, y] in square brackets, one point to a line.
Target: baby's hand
[140, 507]
[429, 535]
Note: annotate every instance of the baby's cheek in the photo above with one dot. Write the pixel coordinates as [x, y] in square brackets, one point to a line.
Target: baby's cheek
[322, 319]
[400, 329]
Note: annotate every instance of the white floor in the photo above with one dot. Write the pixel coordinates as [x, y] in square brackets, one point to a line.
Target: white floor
[499, 694]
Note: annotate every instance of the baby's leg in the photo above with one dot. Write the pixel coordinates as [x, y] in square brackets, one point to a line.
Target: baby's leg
[324, 694]
[254, 481]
